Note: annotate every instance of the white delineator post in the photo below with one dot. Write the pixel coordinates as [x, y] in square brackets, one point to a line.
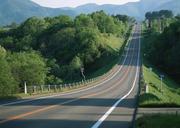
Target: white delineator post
[25, 88]
[147, 88]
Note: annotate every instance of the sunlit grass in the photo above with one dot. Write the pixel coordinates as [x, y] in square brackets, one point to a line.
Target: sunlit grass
[168, 96]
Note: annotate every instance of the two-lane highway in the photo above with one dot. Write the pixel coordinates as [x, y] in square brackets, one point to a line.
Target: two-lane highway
[109, 104]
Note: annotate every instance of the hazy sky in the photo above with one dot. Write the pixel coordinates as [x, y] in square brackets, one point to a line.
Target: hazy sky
[74, 3]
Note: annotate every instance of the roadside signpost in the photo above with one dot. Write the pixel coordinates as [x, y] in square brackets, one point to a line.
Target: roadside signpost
[161, 78]
[82, 73]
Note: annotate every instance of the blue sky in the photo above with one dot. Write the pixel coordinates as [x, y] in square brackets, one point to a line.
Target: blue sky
[74, 3]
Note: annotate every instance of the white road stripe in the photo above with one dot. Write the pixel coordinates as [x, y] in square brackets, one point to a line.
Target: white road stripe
[70, 93]
[100, 121]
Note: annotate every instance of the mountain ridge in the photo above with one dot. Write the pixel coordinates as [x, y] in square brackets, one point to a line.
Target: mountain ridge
[19, 10]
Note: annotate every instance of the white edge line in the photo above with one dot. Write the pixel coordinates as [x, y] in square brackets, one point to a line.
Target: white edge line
[18, 102]
[100, 121]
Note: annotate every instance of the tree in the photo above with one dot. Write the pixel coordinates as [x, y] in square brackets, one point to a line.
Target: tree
[148, 17]
[74, 68]
[177, 16]
[8, 85]
[8, 43]
[124, 18]
[88, 40]
[60, 45]
[163, 49]
[76, 63]
[67, 44]
[84, 21]
[57, 23]
[104, 22]
[165, 13]
[28, 67]
[158, 15]
[32, 26]
[62, 20]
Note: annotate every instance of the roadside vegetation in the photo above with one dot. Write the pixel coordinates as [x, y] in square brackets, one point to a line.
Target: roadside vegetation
[162, 43]
[54, 50]
[166, 96]
[161, 57]
[160, 85]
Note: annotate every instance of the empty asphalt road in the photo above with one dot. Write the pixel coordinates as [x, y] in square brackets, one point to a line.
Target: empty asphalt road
[110, 104]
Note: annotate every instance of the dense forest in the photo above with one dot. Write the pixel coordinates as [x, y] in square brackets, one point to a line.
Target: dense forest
[162, 42]
[54, 50]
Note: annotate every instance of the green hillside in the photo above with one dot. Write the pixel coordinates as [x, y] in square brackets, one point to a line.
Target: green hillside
[54, 50]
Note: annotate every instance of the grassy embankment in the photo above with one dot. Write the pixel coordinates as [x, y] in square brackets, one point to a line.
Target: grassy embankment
[116, 44]
[169, 96]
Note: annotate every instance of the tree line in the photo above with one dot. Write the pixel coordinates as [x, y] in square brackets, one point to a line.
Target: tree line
[53, 50]
[158, 20]
[162, 48]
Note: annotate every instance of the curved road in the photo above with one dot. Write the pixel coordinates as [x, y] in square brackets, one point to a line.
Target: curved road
[110, 104]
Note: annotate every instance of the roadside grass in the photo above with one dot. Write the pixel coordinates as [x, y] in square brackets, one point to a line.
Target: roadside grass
[114, 42]
[169, 96]
[158, 121]
[116, 45]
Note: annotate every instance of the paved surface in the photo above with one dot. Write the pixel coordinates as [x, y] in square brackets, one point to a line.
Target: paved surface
[107, 105]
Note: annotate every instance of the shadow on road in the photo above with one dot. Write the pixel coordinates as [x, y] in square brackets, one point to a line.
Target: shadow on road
[104, 102]
[59, 123]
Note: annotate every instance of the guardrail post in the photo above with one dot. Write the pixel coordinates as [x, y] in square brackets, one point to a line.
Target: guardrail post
[34, 89]
[25, 88]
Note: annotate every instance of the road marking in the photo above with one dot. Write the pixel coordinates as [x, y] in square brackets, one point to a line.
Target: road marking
[70, 93]
[69, 101]
[100, 121]
[36, 111]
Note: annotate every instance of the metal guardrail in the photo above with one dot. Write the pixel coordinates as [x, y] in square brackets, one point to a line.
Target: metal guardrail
[36, 89]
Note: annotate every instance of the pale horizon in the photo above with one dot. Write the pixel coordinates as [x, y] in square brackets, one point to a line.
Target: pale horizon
[75, 3]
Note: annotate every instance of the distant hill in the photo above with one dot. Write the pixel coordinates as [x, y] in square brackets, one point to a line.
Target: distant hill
[19, 10]
[134, 9]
